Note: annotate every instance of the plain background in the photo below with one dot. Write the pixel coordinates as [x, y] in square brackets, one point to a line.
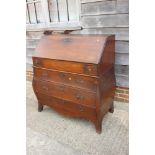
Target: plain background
[13, 77]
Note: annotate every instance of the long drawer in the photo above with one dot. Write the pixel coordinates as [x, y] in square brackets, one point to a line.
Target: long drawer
[76, 80]
[68, 66]
[67, 106]
[65, 92]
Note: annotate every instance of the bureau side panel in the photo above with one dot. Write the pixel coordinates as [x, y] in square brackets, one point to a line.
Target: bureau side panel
[108, 56]
[107, 77]
[107, 91]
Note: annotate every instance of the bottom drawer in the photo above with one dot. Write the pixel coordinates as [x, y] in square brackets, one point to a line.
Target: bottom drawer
[67, 107]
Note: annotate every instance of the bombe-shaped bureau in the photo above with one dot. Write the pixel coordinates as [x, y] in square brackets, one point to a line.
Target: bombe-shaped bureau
[74, 75]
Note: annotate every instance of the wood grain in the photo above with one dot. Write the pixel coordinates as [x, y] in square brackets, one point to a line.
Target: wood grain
[32, 43]
[67, 108]
[34, 35]
[63, 11]
[117, 20]
[122, 47]
[30, 52]
[122, 6]
[70, 79]
[122, 70]
[121, 34]
[70, 48]
[91, 1]
[122, 58]
[53, 10]
[122, 80]
[73, 8]
[70, 93]
[32, 13]
[104, 7]
[78, 89]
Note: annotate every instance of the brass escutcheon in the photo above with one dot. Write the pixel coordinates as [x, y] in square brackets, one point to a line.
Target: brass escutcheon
[67, 40]
[87, 68]
[81, 108]
[62, 75]
[79, 97]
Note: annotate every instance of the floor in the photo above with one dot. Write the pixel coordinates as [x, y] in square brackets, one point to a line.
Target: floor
[49, 133]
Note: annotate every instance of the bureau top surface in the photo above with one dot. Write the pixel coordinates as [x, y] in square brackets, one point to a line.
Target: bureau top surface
[78, 48]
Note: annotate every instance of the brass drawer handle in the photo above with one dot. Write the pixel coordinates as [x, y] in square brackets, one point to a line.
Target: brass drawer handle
[79, 97]
[62, 75]
[81, 108]
[69, 78]
[87, 69]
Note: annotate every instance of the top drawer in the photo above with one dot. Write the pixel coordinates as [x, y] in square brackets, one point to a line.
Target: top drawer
[68, 66]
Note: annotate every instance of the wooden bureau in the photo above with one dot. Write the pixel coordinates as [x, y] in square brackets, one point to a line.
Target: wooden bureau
[74, 75]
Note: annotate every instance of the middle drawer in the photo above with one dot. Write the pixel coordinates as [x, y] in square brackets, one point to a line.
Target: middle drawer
[72, 79]
[65, 92]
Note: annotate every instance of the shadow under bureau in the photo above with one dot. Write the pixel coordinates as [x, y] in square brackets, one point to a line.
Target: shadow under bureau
[74, 75]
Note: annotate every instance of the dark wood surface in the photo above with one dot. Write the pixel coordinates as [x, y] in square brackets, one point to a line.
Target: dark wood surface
[67, 78]
[70, 48]
[76, 86]
[70, 93]
[67, 107]
[68, 66]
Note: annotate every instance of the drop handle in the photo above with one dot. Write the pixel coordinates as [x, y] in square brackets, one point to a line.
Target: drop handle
[87, 69]
[62, 75]
[79, 97]
[81, 108]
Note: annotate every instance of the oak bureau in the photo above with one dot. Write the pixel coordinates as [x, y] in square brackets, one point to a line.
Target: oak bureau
[74, 75]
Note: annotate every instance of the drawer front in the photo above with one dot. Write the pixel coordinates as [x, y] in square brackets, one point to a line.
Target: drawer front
[67, 106]
[73, 67]
[65, 92]
[67, 78]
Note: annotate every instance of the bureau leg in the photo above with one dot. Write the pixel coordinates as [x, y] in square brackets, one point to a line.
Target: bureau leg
[111, 110]
[98, 126]
[40, 107]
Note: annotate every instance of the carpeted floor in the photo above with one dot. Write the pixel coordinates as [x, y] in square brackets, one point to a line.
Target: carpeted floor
[49, 133]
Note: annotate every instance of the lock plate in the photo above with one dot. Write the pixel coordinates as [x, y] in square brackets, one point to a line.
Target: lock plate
[67, 40]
